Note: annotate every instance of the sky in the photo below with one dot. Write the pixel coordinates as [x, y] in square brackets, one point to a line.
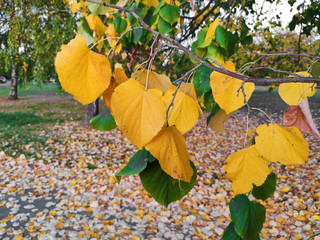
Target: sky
[283, 9]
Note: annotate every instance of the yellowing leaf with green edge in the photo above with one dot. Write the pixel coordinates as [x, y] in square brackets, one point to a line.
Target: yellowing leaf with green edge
[96, 25]
[139, 113]
[185, 112]
[294, 93]
[225, 90]
[281, 144]
[82, 72]
[170, 149]
[153, 80]
[212, 29]
[245, 168]
[216, 123]
[117, 78]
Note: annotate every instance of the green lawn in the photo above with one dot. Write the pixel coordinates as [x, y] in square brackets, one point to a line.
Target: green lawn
[28, 120]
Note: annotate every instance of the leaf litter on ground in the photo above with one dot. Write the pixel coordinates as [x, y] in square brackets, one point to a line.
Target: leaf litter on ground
[69, 191]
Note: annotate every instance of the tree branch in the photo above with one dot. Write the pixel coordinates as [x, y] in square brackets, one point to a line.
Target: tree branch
[204, 63]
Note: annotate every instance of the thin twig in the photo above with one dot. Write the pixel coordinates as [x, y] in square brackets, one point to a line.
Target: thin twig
[179, 81]
[289, 54]
[121, 36]
[274, 70]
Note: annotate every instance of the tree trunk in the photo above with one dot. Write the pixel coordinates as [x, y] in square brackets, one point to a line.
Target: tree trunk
[14, 83]
[92, 111]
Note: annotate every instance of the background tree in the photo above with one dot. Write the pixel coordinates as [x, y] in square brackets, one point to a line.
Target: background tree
[31, 33]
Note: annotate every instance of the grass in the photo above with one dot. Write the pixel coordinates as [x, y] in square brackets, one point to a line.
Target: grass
[26, 123]
[29, 90]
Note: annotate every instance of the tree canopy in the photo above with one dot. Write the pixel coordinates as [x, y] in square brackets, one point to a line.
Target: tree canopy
[31, 33]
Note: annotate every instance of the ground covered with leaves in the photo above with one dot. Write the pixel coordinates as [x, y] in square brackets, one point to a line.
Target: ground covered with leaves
[68, 190]
[57, 178]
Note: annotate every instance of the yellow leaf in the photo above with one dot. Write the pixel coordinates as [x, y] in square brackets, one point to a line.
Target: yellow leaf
[96, 25]
[212, 29]
[139, 114]
[225, 90]
[188, 88]
[74, 7]
[216, 123]
[150, 3]
[285, 189]
[82, 72]
[245, 168]
[185, 112]
[294, 93]
[170, 149]
[153, 80]
[59, 225]
[118, 77]
[282, 144]
[175, 2]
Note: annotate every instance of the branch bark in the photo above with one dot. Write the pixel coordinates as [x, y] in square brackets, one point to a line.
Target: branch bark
[206, 64]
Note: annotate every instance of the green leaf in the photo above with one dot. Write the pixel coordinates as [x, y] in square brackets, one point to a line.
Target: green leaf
[315, 71]
[227, 40]
[216, 53]
[248, 217]
[230, 233]
[201, 79]
[267, 189]
[120, 25]
[104, 121]
[160, 5]
[163, 26]
[162, 187]
[136, 164]
[205, 44]
[97, 9]
[170, 13]
[214, 111]
[84, 29]
[247, 40]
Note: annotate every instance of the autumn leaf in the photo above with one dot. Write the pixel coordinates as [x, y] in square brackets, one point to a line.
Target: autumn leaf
[188, 88]
[212, 29]
[150, 3]
[82, 72]
[216, 123]
[293, 93]
[139, 113]
[170, 150]
[225, 90]
[96, 25]
[185, 112]
[281, 144]
[245, 168]
[118, 77]
[153, 80]
[301, 118]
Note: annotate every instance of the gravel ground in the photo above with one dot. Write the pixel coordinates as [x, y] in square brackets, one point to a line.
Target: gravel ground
[60, 197]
